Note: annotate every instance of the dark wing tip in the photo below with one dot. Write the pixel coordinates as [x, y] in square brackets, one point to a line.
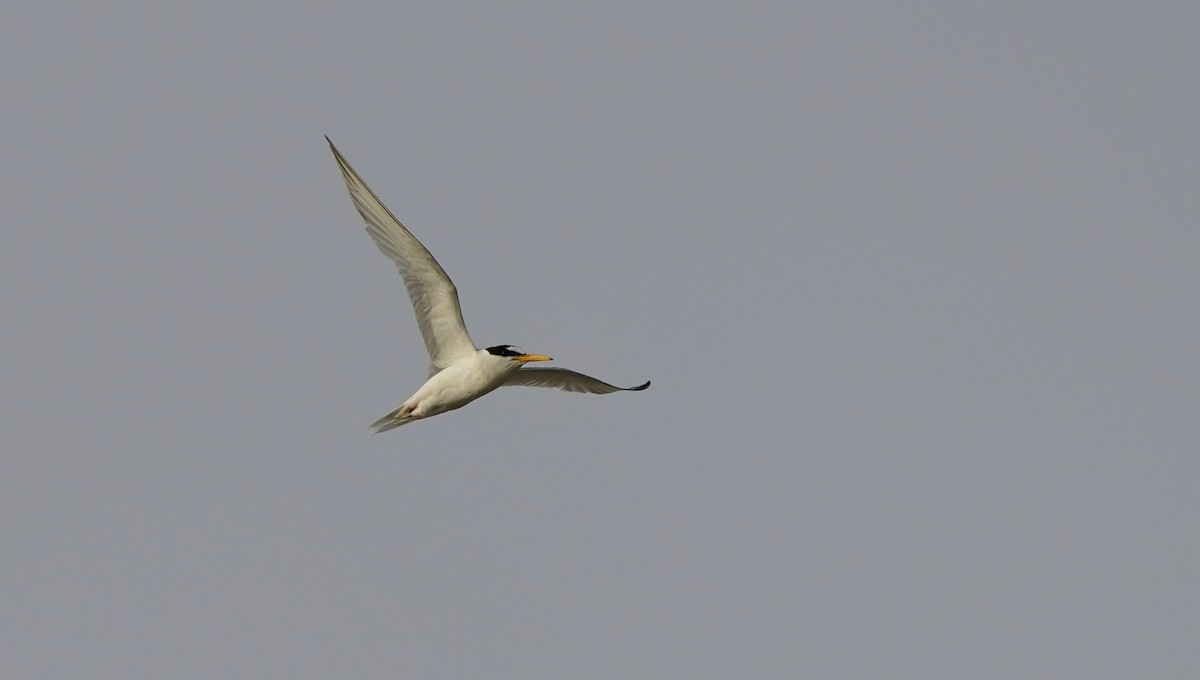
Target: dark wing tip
[337, 154]
[639, 388]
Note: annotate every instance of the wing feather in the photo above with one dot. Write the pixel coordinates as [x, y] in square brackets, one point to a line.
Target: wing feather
[566, 380]
[434, 297]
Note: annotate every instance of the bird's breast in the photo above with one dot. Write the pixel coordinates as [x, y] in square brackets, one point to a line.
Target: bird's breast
[459, 384]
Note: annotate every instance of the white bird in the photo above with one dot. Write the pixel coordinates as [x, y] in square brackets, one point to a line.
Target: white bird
[459, 372]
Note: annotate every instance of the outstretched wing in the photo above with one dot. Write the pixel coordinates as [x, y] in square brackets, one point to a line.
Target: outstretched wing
[566, 380]
[434, 297]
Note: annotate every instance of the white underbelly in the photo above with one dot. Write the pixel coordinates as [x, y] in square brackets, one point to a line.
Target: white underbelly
[459, 384]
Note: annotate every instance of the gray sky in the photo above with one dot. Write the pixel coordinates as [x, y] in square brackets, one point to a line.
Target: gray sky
[917, 285]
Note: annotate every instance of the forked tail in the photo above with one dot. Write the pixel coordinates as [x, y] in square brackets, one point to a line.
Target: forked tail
[391, 421]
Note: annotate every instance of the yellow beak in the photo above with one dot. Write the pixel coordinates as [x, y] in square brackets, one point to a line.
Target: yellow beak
[525, 358]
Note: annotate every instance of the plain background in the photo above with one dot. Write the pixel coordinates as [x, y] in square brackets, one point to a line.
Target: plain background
[917, 285]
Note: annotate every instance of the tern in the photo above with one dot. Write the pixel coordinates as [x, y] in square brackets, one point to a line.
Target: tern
[459, 372]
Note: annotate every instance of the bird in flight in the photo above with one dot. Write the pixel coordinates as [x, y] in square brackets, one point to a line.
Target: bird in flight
[459, 372]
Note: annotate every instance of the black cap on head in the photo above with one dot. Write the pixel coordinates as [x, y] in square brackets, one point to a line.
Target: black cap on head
[505, 351]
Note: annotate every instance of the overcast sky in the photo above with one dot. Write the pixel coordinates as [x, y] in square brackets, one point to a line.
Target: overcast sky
[917, 285]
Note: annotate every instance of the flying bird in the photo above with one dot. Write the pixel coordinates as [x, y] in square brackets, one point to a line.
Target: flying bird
[459, 372]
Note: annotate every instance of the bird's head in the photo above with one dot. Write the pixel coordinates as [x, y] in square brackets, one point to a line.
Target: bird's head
[514, 353]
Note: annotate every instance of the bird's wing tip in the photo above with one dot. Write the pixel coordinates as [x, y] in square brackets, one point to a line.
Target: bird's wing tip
[639, 388]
